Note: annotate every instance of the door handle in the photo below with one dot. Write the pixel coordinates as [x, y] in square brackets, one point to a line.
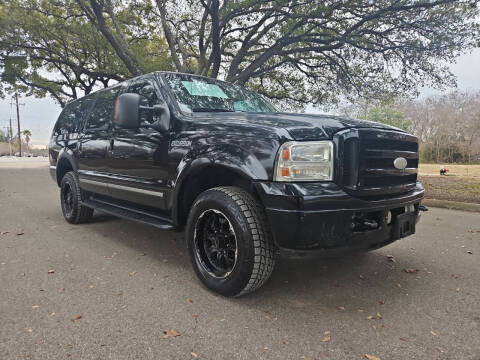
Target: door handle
[112, 142]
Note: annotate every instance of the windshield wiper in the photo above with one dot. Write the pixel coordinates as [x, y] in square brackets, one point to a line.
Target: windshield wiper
[204, 109]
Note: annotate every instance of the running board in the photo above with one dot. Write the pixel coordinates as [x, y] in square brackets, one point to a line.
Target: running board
[129, 213]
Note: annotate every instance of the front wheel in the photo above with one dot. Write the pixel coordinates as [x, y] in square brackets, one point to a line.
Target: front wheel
[229, 241]
[70, 199]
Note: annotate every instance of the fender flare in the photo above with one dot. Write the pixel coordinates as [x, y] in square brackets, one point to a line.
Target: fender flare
[237, 160]
[64, 155]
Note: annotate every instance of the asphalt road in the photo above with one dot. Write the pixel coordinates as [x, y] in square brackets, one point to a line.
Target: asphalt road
[115, 286]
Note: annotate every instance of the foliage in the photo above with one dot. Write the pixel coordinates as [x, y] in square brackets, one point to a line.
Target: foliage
[3, 136]
[293, 51]
[315, 51]
[52, 48]
[28, 135]
[386, 113]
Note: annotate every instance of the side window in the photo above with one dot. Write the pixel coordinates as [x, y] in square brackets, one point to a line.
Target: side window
[149, 97]
[101, 116]
[84, 108]
[68, 119]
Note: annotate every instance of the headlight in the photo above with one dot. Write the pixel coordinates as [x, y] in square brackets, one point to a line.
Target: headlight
[305, 161]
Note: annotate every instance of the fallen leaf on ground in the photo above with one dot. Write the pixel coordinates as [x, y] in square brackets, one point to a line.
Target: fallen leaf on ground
[390, 258]
[410, 271]
[20, 232]
[51, 271]
[379, 315]
[190, 301]
[341, 308]
[433, 333]
[469, 252]
[371, 317]
[170, 333]
[371, 357]
[194, 355]
[78, 317]
[326, 339]
[3, 232]
[326, 333]
[133, 273]
[382, 302]
[35, 306]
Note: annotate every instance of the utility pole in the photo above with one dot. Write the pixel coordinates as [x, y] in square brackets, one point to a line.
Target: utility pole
[18, 122]
[10, 136]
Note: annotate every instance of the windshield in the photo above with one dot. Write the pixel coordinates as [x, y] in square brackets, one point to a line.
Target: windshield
[199, 94]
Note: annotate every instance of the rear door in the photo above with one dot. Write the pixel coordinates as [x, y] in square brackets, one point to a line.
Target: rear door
[66, 132]
[139, 159]
[95, 142]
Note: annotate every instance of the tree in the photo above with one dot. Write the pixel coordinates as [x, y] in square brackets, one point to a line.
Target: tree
[387, 113]
[28, 136]
[314, 51]
[3, 136]
[53, 48]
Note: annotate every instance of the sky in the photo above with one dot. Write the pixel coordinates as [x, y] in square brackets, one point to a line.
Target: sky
[39, 115]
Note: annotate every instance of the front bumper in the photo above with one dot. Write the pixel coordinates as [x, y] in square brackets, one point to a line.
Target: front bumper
[321, 216]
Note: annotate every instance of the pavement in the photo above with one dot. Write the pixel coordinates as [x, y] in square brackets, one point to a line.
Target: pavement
[114, 289]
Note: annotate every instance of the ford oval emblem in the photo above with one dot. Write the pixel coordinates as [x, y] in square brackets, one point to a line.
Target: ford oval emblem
[400, 163]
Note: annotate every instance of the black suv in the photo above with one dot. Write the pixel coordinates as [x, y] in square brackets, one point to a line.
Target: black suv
[244, 180]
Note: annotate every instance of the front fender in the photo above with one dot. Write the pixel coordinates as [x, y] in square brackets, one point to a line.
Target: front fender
[230, 157]
[65, 159]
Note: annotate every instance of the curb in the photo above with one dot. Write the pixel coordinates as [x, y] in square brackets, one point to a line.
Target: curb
[453, 205]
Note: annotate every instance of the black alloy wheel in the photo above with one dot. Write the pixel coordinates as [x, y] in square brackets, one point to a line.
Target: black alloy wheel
[229, 241]
[215, 243]
[71, 200]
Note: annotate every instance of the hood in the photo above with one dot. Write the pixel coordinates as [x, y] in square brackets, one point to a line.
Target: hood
[299, 126]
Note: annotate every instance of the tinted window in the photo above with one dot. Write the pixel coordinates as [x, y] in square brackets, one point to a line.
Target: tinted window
[66, 120]
[149, 97]
[72, 117]
[101, 116]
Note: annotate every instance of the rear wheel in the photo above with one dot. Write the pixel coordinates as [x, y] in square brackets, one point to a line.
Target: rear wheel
[229, 242]
[70, 199]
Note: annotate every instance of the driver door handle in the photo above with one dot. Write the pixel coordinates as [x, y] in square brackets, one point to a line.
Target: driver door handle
[112, 142]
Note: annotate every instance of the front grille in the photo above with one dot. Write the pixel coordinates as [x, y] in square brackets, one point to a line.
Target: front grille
[367, 157]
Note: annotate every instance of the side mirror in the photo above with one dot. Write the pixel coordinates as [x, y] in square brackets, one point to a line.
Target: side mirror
[127, 111]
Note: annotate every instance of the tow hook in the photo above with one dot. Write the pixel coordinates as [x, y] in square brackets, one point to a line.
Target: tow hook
[422, 208]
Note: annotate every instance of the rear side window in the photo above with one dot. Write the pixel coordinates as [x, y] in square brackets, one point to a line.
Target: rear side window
[66, 120]
[72, 117]
[101, 116]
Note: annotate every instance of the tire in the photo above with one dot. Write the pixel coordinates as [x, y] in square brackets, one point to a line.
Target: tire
[229, 241]
[70, 199]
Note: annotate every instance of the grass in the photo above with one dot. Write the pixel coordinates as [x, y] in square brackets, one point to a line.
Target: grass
[470, 171]
[461, 184]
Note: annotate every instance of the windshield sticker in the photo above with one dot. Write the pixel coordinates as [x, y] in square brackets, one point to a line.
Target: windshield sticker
[198, 88]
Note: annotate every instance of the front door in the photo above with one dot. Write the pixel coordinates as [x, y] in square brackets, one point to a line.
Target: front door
[139, 156]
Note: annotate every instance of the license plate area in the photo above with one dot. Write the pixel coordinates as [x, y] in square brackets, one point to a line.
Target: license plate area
[404, 225]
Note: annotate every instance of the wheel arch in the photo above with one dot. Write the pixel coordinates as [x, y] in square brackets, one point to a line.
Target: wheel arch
[65, 163]
[202, 178]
